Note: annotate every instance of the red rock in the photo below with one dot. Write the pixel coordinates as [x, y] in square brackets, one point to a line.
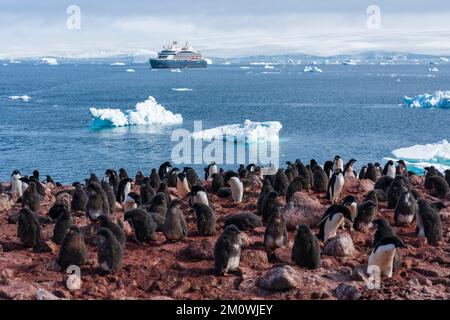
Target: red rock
[281, 278]
[346, 291]
[340, 246]
[18, 290]
[302, 209]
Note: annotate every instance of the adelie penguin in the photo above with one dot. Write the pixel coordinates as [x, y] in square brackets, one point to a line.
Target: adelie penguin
[109, 251]
[62, 226]
[281, 182]
[371, 173]
[428, 223]
[437, 186]
[110, 196]
[172, 177]
[183, 187]
[306, 249]
[132, 201]
[352, 205]
[382, 257]
[199, 195]
[335, 186]
[80, 199]
[155, 180]
[175, 227]
[295, 186]
[210, 170]
[405, 210]
[146, 191]
[205, 219]
[332, 219]
[123, 190]
[158, 204]
[217, 182]
[73, 249]
[163, 189]
[31, 199]
[384, 229]
[384, 183]
[16, 183]
[112, 178]
[394, 190]
[276, 235]
[164, 170]
[139, 178]
[143, 225]
[348, 169]
[117, 231]
[245, 221]
[362, 173]
[98, 202]
[123, 174]
[367, 211]
[402, 168]
[389, 169]
[237, 189]
[338, 164]
[270, 205]
[227, 251]
[328, 168]
[28, 228]
[320, 180]
[265, 190]
[191, 175]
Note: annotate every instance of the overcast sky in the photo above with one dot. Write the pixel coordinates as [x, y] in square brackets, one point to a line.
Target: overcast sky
[223, 28]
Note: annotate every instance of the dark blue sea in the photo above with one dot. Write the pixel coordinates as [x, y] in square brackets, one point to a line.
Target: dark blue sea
[354, 111]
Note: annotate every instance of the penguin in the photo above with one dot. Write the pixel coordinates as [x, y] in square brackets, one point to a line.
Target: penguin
[251, 168]
[389, 169]
[49, 180]
[405, 210]
[56, 210]
[139, 178]
[224, 192]
[270, 205]
[117, 231]
[227, 251]
[276, 235]
[245, 221]
[371, 172]
[79, 199]
[31, 199]
[123, 174]
[175, 227]
[183, 188]
[158, 204]
[402, 169]
[237, 189]
[348, 169]
[205, 219]
[362, 173]
[112, 178]
[313, 163]
[62, 226]
[295, 186]
[143, 225]
[28, 228]
[437, 185]
[338, 164]
[109, 251]
[172, 178]
[163, 189]
[265, 190]
[291, 172]
[110, 196]
[384, 183]
[352, 205]
[132, 201]
[73, 249]
[217, 182]
[332, 219]
[328, 168]
[367, 211]
[378, 170]
[199, 195]
[428, 222]
[97, 203]
[155, 180]
[281, 182]
[39, 186]
[383, 229]
[383, 255]
[335, 186]
[146, 191]
[164, 170]
[305, 173]
[394, 190]
[438, 205]
[447, 176]
[210, 170]
[228, 175]
[306, 248]
[320, 180]
[159, 220]
[92, 178]
[191, 175]
[123, 189]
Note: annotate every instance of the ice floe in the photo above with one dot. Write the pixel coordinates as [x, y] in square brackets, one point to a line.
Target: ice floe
[439, 99]
[49, 61]
[23, 98]
[182, 89]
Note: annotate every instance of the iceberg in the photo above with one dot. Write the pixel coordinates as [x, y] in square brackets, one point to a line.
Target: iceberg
[208, 61]
[433, 69]
[149, 112]
[247, 132]
[23, 98]
[50, 61]
[176, 70]
[182, 89]
[312, 69]
[130, 70]
[268, 66]
[439, 99]
[117, 64]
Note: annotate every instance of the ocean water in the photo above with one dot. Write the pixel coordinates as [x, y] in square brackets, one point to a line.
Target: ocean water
[353, 111]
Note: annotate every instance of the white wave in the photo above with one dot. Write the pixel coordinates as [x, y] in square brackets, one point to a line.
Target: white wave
[23, 98]
[15, 62]
[50, 61]
[312, 69]
[182, 89]
[245, 67]
[176, 70]
[444, 59]
[433, 69]
[117, 64]
[149, 112]
[439, 99]
[130, 70]
[208, 61]
[249, 131]
[349, 63]
[267, 66]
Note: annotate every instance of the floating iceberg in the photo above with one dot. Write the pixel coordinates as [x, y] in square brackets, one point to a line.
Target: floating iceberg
[23, 98]
[349, 63]
[149, 112]
[208, 61]
[130, 70]
[312, 69]
[245, 67]
[431, 154]
[50, 61]
[444, 59]
[117, 64]
[175, 70]
[182, 89]
[249, 131]
[433, 69]
[267, 66]
[439, 99]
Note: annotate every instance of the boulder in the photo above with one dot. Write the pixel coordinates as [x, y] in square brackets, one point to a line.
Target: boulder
[340, 246]
[302, 209]
[198, 251]
[354, 185]
[280, 278]
[42, 294]
[346, 291]
[18, 290]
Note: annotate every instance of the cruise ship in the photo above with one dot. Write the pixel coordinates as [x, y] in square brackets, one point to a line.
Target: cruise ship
[174, 57]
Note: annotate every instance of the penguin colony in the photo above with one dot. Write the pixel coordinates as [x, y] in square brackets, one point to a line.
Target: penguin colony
[149, 207]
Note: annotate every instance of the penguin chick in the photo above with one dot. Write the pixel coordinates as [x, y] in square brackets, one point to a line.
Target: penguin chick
[428, 223]
[143, 225]
[265, 190]
[117, 231]
[227, 251]
[352, 205]
[438, 186]
[332, 219]
[217, 182]
[382, 256]
[281, 182]
[155, 180]
[224, 192]
[79, 199]
[205, 219]
[175, 227]
[110, 196]
[98, 202]
[295, 186]
[158, 204]
[109, 251]
[367, 211]
[245, 221]
[31, 199]
[383, 183]
[62, 226]
[270, 204]
[146, 191]
[306, 249]
[28, 228]
[73, 249]
[320, 180]
[276, 235]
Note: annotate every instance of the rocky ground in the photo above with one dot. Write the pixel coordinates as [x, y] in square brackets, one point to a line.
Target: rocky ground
[183, 270]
